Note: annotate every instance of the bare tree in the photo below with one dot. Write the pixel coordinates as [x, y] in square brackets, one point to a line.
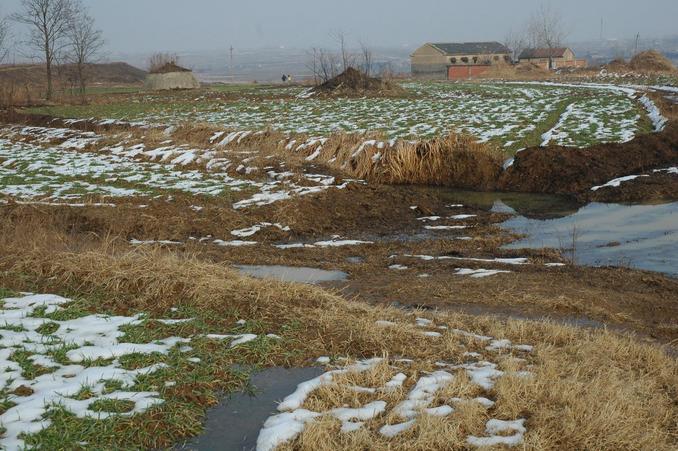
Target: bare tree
[158, 60]
[4, 38]
[347, 58]
[367, 58]
[546, 30]
[329, 65]
[516, 42]
[313, 64]
[48, 22]
[84, 44]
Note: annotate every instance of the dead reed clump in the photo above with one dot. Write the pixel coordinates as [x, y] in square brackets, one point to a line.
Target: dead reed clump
[456, 160]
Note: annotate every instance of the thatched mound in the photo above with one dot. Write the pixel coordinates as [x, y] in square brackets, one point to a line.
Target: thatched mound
[651, 61]
[171, 80]
[353, 82]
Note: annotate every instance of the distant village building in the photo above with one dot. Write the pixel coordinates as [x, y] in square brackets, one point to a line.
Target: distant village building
[170, 76]
[454, 61]
[558, 57]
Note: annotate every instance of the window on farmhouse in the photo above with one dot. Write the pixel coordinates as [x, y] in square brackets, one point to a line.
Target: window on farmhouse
[453, 60]
[464, 59]
[475, 59]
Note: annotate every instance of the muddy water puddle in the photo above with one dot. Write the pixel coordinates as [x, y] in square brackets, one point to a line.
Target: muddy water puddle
[292, 273]
[235, 423]
[638, 236]
[597, 234]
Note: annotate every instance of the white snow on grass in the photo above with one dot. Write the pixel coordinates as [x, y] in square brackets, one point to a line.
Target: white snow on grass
[445, 227]
[500, 260]
[671, 170]
[249, 231]
[81, 353]
[495, 427]
[339, 243]
[398, 267]
[41, 170]
[654, 113]
[335, 242]
[91, 337]
[487, 110]
[479, 273]
[421, 399]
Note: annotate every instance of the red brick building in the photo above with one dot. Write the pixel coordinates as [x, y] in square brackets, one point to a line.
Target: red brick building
[455, 61]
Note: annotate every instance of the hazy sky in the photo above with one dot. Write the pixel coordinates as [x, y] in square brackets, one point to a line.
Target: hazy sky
[184, 25]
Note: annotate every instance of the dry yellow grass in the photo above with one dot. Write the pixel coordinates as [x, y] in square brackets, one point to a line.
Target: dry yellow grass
[454, 160]
[589, 390]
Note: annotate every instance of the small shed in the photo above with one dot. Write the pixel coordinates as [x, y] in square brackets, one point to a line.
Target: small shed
[171, 76]
[551, 58]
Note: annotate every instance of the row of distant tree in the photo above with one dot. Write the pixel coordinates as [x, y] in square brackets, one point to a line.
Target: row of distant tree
[56, 32]
[545, 28]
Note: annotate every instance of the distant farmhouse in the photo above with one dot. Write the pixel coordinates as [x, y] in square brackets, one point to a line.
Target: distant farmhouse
[169, 77]
[559, 58]
[455, 61]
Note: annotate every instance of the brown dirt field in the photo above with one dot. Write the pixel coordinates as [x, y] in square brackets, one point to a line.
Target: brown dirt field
[560, 170]
[624, 299]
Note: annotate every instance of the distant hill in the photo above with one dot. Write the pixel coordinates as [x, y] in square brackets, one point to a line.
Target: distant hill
[108, 73]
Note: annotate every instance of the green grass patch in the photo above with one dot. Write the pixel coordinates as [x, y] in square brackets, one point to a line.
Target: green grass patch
[47, 328]
[112, 405]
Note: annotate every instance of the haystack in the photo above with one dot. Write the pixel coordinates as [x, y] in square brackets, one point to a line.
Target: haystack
[651, 61]
[616, 65]
[170, 76]
[352, 82]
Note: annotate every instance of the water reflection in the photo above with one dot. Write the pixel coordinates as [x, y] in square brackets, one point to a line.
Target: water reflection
[640, 236]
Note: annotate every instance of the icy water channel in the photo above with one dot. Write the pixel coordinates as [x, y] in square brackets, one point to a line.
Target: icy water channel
[597, 234]
[291, 273]
[234, 424]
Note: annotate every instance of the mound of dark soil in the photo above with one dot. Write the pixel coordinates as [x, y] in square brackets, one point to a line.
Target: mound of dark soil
[168, 68]
[651, 61]
[354, 82]
[655, 187]
[563, 170]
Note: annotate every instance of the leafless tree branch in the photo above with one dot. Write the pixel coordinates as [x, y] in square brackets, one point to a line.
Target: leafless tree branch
[48, 22]
[546, 29]
[85, 42]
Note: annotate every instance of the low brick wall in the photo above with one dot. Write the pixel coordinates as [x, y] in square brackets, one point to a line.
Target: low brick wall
[465, 72]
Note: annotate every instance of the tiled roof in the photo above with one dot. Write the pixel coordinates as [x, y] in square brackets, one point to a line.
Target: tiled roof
[471, 48]
[558, 52]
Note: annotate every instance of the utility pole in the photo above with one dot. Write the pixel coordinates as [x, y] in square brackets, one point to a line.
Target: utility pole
[637, 39]
[230, 64]
[601, 29]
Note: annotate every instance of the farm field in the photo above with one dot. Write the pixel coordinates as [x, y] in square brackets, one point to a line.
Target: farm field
[513, 116]
[158, 250]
